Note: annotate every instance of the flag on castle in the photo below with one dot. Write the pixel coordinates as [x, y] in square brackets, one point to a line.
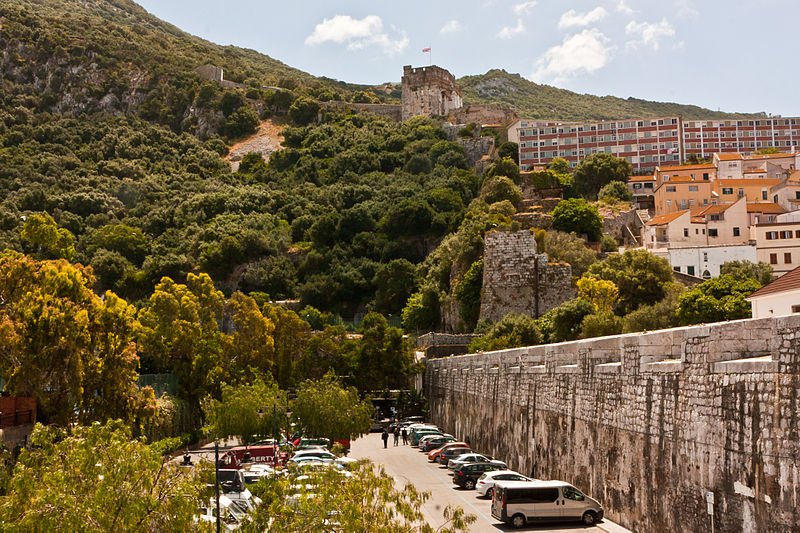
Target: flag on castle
[428, 49]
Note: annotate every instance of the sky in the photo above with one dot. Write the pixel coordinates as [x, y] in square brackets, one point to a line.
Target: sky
[731, 55]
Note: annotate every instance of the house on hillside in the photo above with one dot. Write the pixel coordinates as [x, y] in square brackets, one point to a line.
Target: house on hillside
[778, 242]
[781, 297]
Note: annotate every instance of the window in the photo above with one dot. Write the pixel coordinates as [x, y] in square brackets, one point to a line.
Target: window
[741, 193]
[773, 259]
[735, 232]
[676, 269]
[772, 235]
[637, 185]
[727, 190]
[571, 493]
[705, 257]
[763, 195]
[797, 234]
[786, 234]
[694, 188]
[712, 232]
[787, 258]
[671, 188]
[705, 176]
[690, 270]
[796, 195]
[685, 232]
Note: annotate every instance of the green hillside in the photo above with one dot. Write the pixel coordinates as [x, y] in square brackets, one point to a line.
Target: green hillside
[532, 100]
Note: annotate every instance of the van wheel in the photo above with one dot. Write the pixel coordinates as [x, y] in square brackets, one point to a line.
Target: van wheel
[469, 484]
[589, 518]
[518, 521]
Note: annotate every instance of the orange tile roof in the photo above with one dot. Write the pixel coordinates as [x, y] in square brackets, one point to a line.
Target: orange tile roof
[755, 182]
[769, 156]
[755, 171]
[765, 207]
[788, 282]
[729, 156]
[686, 167]
[641, 178]
[714, 209]
[660, 220]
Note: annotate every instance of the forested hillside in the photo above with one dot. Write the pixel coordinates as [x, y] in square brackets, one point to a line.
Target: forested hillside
[532, 100]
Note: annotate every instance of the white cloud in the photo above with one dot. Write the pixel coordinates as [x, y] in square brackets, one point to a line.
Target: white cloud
[648, 34]
[357, 34]
[685, 9]
[624, 8]
[523, 7]
[452, 26]
[584, 52]
[573, 18]
[508, 32]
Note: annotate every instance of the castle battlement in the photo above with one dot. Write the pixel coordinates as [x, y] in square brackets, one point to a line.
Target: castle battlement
[430, 91]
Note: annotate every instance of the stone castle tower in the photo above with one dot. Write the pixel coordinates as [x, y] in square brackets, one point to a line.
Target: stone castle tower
[428, 91]
[517, 279]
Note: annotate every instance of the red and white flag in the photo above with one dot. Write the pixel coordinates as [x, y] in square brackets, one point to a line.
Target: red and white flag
[428, 49]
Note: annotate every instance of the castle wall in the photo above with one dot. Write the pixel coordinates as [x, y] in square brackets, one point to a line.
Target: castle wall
[654, 425]
[517, 279]
[429, 91]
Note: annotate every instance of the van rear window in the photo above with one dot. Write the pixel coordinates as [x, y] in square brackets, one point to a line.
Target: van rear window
[531, 495]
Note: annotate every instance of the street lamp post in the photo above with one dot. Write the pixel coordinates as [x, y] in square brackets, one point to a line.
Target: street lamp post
[216, 479]
[275, 434]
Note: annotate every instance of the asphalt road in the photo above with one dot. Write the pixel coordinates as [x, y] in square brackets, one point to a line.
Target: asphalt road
[408, 465]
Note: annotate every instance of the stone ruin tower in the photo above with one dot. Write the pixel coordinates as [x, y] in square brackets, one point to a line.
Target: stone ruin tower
[517, 279]
[428, 91]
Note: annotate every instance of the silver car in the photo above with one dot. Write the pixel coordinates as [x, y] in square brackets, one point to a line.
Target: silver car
[465, 458]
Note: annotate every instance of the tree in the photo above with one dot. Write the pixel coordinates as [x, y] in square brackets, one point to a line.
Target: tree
[761, 272]
[323, 408]
[640, 276]
[597, 170]
[303, 111]
[252, 163]
[717, 299]
[499, 188]
[600, 324]
[95, 478]
[383, 359]
[564, 322]
[395, 281]
[468, 292]
[243, 121]
[245, 411]
[512, 331]
[614, 191]
[62, 344]
[576, 215]
[602, 294]
[504, 167]
[559, 165]
[251, 349]
[421, 312]
[290, 338]
[367, 501]
[509, 150]
[660, 315]
[41, 236]
[569, 248]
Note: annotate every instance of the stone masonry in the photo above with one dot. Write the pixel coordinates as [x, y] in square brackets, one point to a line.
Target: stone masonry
[429, 91]
[516, 279]
[654, 425]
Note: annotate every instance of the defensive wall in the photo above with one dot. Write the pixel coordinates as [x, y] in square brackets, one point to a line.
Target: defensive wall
[687, 429]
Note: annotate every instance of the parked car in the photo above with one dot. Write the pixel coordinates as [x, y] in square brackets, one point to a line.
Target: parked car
[485, 484]
[418, 433]
[522, 502]
[314, 443]
[465, 458]
[315, 453]
[467, 475]
[433, 455]
[452, 453]
[431, 442]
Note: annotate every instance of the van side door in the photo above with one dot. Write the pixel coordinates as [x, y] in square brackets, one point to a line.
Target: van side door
[544, 503]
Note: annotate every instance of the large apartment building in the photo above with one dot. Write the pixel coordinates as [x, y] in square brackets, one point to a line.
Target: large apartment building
[649, 142]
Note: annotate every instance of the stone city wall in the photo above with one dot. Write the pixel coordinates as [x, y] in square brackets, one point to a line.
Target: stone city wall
[654, 425]
[517, 279]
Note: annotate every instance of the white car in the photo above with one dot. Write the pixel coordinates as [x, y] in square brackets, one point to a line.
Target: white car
[317, 453]
[465, 458]
[485, 484]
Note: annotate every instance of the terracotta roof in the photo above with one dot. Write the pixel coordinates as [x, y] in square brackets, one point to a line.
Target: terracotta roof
[765, 207]
[660, 220]
[755, 171]
[641, 178]
[764, 182]
[714, 209]
[730, 157]
[788, 282]
[686, 167]
[768, 156]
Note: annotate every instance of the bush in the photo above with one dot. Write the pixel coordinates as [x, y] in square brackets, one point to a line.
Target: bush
[576, 215]
[512, 331]
[615, 191]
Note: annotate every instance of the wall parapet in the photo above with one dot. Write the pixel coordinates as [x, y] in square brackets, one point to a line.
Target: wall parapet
[708, 408]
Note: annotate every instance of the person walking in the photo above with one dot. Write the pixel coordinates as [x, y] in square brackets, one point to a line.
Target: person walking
[396, 435]
[385, 437]
[404, 434]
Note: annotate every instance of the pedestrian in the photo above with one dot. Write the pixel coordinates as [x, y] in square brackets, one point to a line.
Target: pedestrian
[385, 437]
[404, 433]
[396, 435]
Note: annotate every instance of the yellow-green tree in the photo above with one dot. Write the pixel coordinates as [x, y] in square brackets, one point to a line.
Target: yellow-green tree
[245, 411]
[324, 408]
[41, 236]
[96, 478]
[251, 347]
[601, 293]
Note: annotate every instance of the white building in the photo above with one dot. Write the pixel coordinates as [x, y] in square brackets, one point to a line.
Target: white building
[705, 261]
[781, 297]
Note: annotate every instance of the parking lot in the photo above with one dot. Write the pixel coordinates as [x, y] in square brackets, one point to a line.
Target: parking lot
[407, 464]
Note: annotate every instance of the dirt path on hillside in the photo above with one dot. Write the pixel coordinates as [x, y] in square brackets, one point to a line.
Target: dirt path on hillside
[266, 140]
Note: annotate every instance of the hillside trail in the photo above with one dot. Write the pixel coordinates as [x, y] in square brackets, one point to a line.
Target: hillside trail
[266, 140]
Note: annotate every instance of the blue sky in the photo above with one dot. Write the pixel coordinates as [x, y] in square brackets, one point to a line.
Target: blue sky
[733, 55]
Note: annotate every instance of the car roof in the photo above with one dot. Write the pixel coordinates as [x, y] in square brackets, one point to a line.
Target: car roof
[535, 484]
[505, 471]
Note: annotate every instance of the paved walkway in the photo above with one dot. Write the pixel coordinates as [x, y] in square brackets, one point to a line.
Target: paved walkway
[408, 465]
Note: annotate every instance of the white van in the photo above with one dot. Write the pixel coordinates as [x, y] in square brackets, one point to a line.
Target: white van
[522, 502]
